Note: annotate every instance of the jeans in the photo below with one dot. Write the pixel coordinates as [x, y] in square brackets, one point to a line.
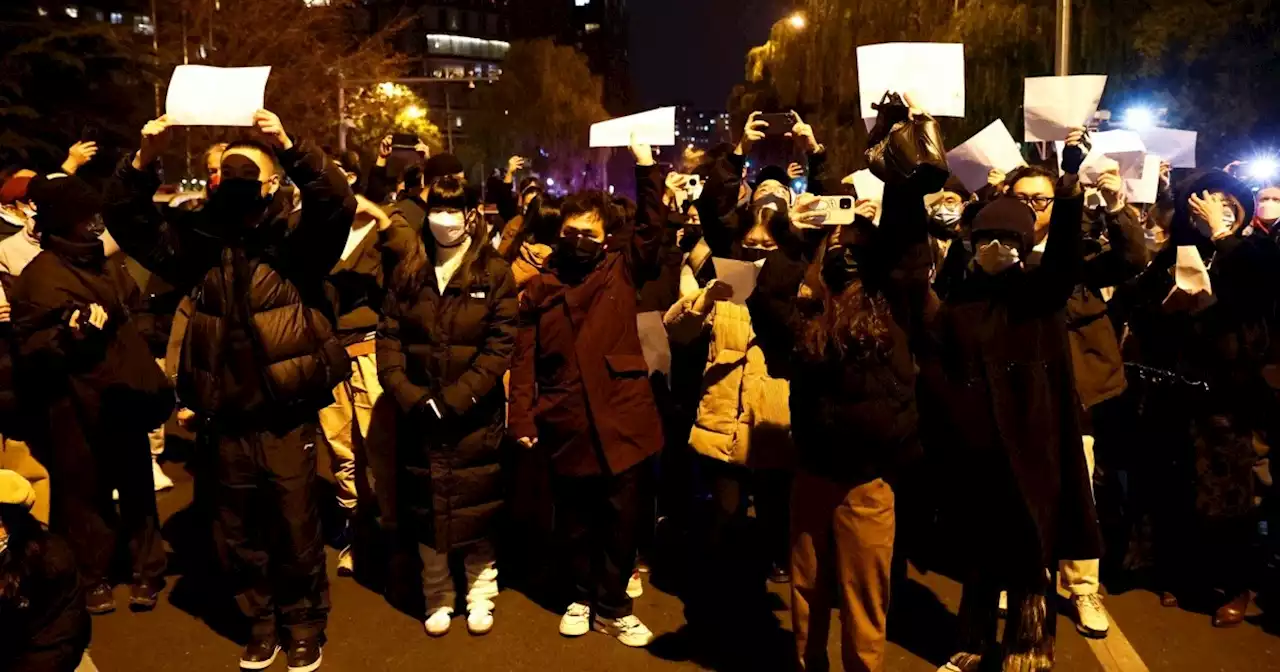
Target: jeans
[268, 515]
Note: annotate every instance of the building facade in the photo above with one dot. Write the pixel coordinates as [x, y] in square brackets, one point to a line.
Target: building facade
[701, 129]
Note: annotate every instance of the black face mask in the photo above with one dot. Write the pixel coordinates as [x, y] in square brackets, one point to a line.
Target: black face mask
[578, 255]
[839, 268]
[753, 254]
[692, 235]
[239, 201]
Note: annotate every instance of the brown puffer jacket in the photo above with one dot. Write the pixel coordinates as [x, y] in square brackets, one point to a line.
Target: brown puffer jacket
[744, 415]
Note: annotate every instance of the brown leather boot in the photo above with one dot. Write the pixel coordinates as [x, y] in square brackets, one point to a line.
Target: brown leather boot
[1231, 614]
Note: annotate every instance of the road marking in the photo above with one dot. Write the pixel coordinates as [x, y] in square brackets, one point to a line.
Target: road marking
[1115, 653]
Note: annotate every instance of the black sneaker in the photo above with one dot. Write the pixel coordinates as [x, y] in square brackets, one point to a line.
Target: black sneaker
[260, 653]
[99, 600]
[144, 595]
[304, 655]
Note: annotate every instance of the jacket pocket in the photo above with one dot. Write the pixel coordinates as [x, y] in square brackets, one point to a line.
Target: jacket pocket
[627, 366]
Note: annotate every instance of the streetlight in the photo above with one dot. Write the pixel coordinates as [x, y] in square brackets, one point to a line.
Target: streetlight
[414, 112]
[797, 21]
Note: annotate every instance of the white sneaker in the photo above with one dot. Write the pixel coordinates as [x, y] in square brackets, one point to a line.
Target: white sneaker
[346, 563]
[576, 621]
[635, 587]
[1091, 617]
[479, 619]
[439, 621]
[628, 630]
[162, 481]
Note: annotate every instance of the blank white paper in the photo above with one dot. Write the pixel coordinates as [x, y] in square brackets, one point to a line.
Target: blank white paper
[655, 128]
[1053, 106]
[931, 73]
[993, 147]
[202, 95]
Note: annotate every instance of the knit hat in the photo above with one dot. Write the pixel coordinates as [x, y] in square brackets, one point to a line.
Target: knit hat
[441, 165]
[63, 201]
[14, 189]
[16, 490]
[1006, 217]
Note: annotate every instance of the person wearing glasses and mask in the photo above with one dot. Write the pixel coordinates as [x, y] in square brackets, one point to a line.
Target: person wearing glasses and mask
[580, 389]
[444, 343]
[1001, 350]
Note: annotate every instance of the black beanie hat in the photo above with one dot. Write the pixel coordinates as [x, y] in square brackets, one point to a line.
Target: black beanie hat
[62, 201]
[1007, 215]
[773, 172]
[441, 165]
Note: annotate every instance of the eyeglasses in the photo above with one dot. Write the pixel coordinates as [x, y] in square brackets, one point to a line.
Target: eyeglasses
[1037, 203]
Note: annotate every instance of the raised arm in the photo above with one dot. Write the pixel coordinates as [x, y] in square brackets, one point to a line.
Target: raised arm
[315, 244]
[1126, 254]
[494, 357]
[1048, 286]
[643, 240]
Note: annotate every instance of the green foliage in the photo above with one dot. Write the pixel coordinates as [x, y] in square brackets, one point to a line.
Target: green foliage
[377, 111]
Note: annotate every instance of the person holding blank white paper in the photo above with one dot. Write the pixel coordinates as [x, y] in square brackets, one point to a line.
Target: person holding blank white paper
[259, 358]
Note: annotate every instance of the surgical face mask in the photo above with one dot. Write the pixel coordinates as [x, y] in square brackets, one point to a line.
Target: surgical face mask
[239, 200]
[996, 257]
[1269, 210]
[1228, 216]
[578, 255]
[1149, 239]
[754, 254]
[839, 268]
[448, 228]
[946, 214]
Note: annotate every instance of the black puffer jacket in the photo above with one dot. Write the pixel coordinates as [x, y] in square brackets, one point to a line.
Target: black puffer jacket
[259, 352]
[453, 348]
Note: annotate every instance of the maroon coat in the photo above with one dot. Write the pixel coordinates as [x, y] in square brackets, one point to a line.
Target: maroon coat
[579, 382]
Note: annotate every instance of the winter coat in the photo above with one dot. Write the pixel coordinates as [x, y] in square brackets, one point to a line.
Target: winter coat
[579, 381]
[1095, 347]
[92, 380]
[997, 355]
[743, 416]
[260, 350]
[452, 348]
[358, 282]
[50, 631]
[530, 264]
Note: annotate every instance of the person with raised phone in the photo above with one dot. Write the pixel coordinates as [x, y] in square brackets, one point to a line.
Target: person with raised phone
[258, 361]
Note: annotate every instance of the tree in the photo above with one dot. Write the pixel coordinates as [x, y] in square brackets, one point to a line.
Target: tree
[310, 47]
[60, 77]
[376, 111]
[542, 107]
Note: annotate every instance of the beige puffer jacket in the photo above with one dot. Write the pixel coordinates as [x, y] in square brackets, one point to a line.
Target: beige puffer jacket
[744, 415]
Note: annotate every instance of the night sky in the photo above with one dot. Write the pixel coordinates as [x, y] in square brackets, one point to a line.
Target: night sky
[695, 50]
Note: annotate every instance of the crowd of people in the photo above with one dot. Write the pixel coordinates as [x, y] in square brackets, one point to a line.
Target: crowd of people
[985, 383]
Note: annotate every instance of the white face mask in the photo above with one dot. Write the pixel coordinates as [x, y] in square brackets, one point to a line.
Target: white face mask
[946, 214]
[1269, 211]
[448, 228]
[1228, 216]
[995, 257]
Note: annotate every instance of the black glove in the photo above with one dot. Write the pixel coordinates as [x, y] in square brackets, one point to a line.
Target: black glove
[1073, 155]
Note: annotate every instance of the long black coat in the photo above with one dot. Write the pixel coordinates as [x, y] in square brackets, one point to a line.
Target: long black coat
[452, 348]
[998, 357]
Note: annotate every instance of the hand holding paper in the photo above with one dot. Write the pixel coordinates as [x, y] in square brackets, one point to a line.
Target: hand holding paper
[741, 275]
[201, 95]
[869, 188]
[930, 74]
[1192, 291]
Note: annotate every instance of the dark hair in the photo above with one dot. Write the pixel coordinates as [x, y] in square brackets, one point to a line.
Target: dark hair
[541, 224]
[530, 182]
[592, 202]
[854, 323]
[413, 177]
[415, 270]
[254, 143]
[625, 208]
[1026, 172]
[28, 541]
[350, 160]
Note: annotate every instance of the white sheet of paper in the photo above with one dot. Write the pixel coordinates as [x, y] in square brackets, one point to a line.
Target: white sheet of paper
[1144, 189]
[932, 73]
[1110, 149]
[870, 188]
[1052, 106]
[202, 95]
[993, 147]
[740, 274]
[655, 127]
[1175, 146]
[355, 236]
[1192, 277]
[654, 343]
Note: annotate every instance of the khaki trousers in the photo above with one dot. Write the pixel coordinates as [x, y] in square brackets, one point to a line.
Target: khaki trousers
[846, 535]
[345, 423]
[1080, 577]
[16, 456]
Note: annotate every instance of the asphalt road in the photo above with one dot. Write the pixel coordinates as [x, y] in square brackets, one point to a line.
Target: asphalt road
[366, 634]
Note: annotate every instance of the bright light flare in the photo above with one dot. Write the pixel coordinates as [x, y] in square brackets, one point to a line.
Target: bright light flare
[1263, 168]
[414, 112]
[797, 21]
[1139, 118]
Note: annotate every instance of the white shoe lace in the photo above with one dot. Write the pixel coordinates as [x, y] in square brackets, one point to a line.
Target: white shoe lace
[629, 624]
[1090, 602]
[576, 610]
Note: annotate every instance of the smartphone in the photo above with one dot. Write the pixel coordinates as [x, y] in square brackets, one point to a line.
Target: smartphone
[780, 123]
[90, 133]
[839, 210]
[404, 141]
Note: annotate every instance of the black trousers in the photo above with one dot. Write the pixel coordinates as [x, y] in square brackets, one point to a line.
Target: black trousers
[598, 518]
[270, 521]
[83, 472]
